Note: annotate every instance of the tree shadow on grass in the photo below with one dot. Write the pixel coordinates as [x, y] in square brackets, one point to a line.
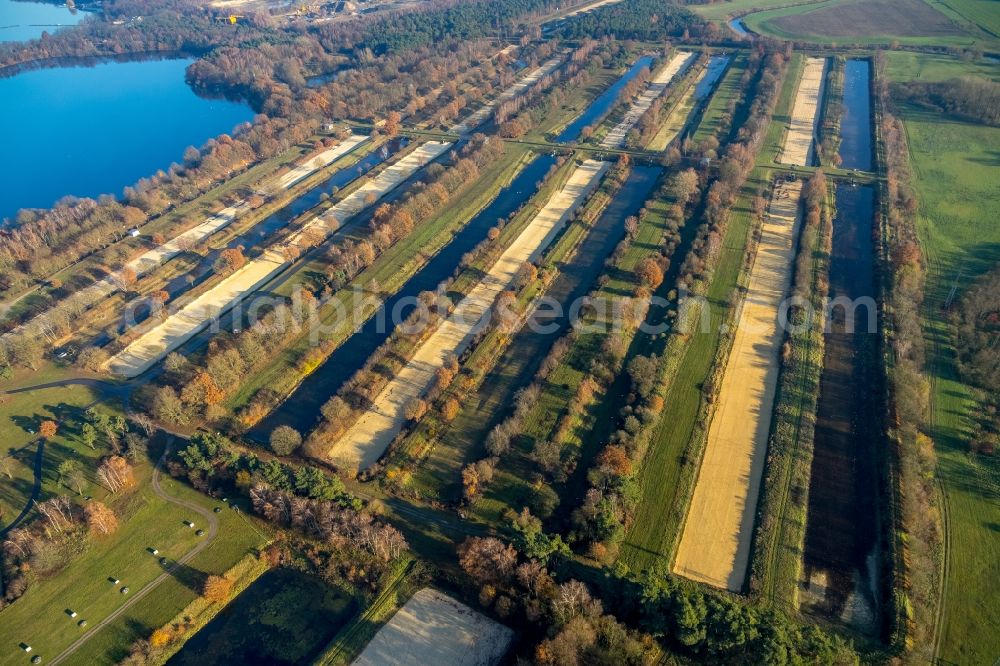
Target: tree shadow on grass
[188, 576]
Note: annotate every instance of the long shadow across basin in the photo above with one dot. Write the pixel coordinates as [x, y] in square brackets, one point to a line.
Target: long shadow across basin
[531, 345]
[301, 409]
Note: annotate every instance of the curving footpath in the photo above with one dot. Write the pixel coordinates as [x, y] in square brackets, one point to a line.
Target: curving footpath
[213, 529]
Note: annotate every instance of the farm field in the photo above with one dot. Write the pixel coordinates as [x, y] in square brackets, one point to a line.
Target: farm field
[723, 11]
[955, 173]
[865, 22]
[981, 12]
[715, 545]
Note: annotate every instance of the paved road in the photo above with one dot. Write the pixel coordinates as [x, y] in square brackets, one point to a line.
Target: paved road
[36, 490]
[213, 528]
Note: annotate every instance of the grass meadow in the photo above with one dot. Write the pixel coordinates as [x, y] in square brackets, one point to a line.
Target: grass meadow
[956, 168]
[40, 617]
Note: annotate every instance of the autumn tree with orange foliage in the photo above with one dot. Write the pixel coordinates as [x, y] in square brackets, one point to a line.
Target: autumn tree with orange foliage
[48, 429]
[116, 474]
[230, 260]
[101, 520]
[650, 273]
[217, 588]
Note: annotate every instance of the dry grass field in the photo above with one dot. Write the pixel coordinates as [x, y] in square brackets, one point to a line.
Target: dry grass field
[433, 628]
[799, 139]
[715, 545]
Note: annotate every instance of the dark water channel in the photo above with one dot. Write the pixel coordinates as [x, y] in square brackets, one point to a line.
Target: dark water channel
[842, 529]
[603, 104]
[841, 558]
[856, 122]
[532, 343]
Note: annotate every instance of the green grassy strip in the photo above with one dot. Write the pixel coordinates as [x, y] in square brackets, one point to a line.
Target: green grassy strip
[776, 563]
[775, 137]
[727, 93]
[668, 473]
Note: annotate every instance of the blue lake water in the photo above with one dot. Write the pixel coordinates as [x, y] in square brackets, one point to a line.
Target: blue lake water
[713, 71]
[20, 21]
[856, 123]
[739, 27]
[600, 106]
[94, 130]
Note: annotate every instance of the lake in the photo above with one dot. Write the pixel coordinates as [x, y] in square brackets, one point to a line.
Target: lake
[20, 21]
[93, 130]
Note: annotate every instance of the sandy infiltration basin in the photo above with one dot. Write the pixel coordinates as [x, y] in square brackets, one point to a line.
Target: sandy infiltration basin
[180, 326]
[715, 544]
[680, 62]
[798, 146]
[152, 259]
[434, 629]
[368, 438]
